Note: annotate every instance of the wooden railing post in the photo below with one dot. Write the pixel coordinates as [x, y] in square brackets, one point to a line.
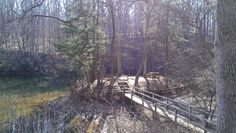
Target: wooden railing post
[167, 104]
[205, 123]
[131, 95]
[176, 115]
[131, 101]
[190, 113]
[142, 97]
[155, 107]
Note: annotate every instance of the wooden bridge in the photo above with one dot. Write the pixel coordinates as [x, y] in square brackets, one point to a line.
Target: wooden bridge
[181, 113]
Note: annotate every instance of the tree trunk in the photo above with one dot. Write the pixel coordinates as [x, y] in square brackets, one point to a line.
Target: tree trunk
[167, 44]
[113, 36]
[118, 56]
[145, 54]
[226, 66]
[138, 74]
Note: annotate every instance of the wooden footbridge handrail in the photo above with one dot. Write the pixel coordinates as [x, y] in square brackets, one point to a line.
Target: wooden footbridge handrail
[180, 103]
[180, 111]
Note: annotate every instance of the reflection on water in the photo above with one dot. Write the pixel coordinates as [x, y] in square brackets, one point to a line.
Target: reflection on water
[18, 96]
[38, 121]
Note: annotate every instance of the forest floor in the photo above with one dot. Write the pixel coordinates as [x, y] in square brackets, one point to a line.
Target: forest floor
[121, 117]
[91, 115]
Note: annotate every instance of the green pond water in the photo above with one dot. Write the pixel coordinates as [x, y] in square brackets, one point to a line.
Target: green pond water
[18, 94]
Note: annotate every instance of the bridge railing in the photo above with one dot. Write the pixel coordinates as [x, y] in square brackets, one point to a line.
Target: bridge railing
[181, 104]
[194, 115]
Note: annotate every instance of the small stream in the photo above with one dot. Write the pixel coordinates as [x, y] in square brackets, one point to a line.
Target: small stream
[40, 105]
[19, 98]
[43, 105]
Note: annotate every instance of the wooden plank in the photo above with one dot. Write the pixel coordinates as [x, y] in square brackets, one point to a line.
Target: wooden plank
[168, 114]
[180, 103]
[182, 111]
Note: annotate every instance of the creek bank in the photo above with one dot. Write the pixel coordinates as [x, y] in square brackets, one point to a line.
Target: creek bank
[85, 111]
[64, 115]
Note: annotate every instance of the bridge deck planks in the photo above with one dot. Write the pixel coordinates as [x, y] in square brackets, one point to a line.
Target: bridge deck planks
[166, 113]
